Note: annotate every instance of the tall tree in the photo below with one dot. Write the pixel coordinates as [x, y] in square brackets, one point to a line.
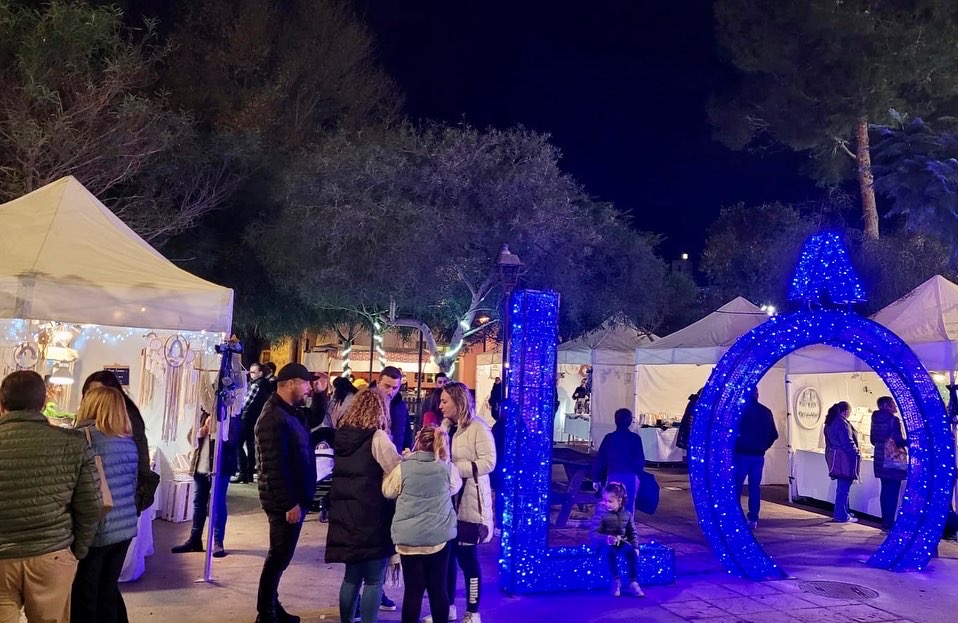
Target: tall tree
[816, 74]
[289, 71]
[917, 170]
[407, 229]
[76, 99]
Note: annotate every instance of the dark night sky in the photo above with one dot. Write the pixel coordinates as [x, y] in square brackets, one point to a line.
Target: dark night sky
[621, 86]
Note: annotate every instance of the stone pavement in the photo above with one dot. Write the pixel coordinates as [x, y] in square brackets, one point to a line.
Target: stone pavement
[802, 541]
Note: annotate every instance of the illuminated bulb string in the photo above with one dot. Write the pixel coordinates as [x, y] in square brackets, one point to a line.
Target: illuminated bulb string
[911, 543]
[527, 563]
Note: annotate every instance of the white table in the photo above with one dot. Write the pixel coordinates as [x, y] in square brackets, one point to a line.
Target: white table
[659, 445]
[812, 481]
[577, 427]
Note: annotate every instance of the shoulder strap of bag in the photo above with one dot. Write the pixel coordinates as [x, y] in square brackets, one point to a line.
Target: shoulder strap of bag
[475, 476]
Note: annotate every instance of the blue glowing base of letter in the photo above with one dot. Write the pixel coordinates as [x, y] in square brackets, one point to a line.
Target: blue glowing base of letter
[527, 563]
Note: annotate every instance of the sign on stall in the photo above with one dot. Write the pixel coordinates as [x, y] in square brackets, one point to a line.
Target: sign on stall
[808, 408]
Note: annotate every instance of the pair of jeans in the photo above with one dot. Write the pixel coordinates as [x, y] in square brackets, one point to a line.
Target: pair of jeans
[95, 587]
[750, 465]
[201, 503]
[425, 574]
[371, 573]
[888, 498]
[283, 537]
[631, 560]
[467, 556]
[842, 486]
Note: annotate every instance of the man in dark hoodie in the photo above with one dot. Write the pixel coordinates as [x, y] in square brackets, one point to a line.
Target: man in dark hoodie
[756, 434]
[287, 482]
[621, 458]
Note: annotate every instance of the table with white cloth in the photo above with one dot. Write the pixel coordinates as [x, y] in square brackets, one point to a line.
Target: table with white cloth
[578, 427]
[811, 481]
[140, 547]
[659, 445]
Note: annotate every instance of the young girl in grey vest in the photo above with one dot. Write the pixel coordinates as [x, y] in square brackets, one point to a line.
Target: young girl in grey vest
[423, 486]
[614, 532]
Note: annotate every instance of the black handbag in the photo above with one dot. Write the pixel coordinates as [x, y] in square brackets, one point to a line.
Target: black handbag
[468, 532]
[647, 497]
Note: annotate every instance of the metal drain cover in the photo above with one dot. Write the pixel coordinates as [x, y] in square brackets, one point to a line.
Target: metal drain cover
[838, 590]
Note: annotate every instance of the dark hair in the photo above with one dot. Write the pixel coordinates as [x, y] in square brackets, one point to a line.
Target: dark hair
[392, 372]
[342, 387]
[442, 375]
[269, 365]
[23, 390]
[105, 378]
[835, 411]
[883, 401]
[623, 418]
[616, 488]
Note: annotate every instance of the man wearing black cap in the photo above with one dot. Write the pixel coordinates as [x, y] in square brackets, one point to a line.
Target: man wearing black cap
[287, 482]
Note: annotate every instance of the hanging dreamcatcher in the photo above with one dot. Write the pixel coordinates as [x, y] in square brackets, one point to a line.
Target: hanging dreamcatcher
[176, 353]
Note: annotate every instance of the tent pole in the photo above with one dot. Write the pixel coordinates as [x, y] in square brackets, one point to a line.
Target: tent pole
[788, 433]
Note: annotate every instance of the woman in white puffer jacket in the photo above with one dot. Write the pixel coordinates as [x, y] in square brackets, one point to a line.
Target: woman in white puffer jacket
[474, 455]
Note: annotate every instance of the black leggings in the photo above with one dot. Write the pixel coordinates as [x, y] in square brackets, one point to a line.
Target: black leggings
[425, 574]
[468, 558]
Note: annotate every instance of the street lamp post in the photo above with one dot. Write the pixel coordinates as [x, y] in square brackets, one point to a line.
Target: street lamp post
[510, 267]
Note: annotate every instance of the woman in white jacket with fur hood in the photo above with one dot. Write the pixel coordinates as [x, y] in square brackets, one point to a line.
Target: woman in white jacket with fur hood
[474, 455]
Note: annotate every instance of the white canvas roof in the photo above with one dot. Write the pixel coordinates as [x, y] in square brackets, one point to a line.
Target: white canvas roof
[926, 319]
[704, 341]
[605, 341]
[64, 256]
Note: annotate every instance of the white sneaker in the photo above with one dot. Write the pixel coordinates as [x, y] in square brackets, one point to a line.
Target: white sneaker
[471, 617]
[452, 616]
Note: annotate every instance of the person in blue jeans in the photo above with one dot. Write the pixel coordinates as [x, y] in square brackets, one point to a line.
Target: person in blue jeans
[842, 457]
[887, 425]
[756, 434]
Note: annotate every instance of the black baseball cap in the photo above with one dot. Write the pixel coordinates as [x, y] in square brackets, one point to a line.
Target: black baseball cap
[295, 371]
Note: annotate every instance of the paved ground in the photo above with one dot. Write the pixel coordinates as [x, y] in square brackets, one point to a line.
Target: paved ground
[800, 539]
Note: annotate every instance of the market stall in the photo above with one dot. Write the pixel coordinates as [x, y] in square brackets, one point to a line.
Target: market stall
[81, 292]
[608, 353]
[927, 320]
[669, 370]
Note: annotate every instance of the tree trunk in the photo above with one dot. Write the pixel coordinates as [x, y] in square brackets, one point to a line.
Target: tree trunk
[866, 180]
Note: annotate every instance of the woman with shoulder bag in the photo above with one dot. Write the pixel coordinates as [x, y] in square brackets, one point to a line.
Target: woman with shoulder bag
[103, 418]
[474, 456]
[842, 456]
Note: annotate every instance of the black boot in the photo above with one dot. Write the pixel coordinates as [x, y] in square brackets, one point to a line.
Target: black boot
[193, 544]
[284, 617]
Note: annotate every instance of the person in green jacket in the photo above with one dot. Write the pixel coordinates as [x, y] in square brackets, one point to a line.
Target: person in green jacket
[50, 504]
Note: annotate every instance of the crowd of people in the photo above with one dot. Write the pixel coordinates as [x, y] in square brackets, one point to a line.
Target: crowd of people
[409, 494]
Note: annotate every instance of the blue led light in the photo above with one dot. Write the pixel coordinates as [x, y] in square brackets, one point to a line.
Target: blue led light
[825, 270]
[527, 563]
[912, 542]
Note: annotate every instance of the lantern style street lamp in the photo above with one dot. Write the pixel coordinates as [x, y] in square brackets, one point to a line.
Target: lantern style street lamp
[510, 267]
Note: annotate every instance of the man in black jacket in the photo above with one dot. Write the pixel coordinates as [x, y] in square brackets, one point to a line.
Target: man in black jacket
[287, 482]
[390, 380]
[756, 434]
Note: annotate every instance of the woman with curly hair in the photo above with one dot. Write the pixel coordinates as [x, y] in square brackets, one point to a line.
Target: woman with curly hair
[360, 516]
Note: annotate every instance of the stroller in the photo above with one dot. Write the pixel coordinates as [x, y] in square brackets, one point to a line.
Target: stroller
[324, 478]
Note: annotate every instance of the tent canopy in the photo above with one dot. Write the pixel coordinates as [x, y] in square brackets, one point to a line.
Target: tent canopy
[65, 256]
[926, 319]
[610, 336]
[704, 341]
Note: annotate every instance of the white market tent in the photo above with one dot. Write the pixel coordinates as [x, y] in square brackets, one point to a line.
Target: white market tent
[65, 256]
[609, 350]
[669, 370]
[927, 320]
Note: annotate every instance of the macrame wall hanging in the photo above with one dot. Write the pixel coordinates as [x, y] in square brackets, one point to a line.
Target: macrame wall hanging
[167, 360]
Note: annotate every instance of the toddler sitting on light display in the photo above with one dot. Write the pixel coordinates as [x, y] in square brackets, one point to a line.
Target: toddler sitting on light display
[614, 531]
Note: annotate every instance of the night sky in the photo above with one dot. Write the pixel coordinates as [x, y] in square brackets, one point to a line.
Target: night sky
[621, 86]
